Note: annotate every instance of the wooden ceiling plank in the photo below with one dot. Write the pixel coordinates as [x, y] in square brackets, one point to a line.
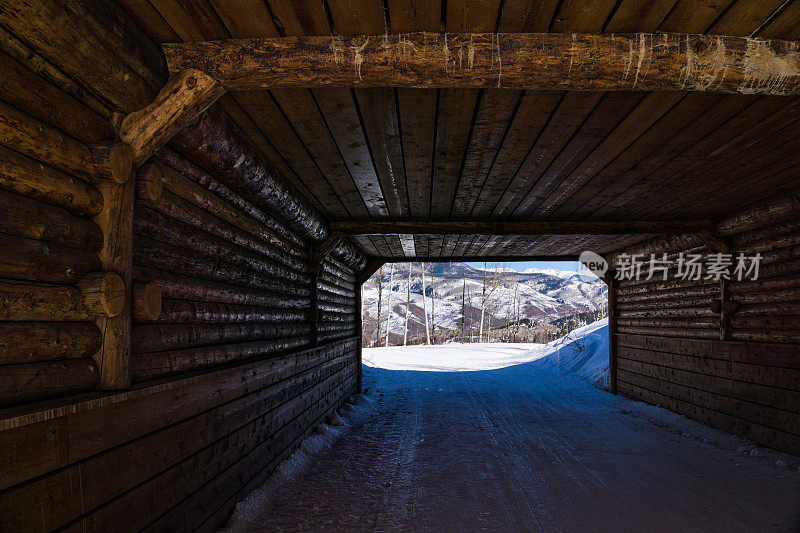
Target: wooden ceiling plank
[415, 15]
[342, 117]
[627, 177]
[463, 245]
[693, 16]
[456, 112]
[301, 109]
[232, 108]
[739, 134]
[603, 121]
[586, 16]
[366, 244]
[300, 18]
[784, 25]
[570, 114]
[192, 21]
[639, 15]
[261, 107]
[492, 124]
[253, 18]
[417, 126]
[527, 16]
[637, 123]
[744, 17]
[471, 16]
[379, 113]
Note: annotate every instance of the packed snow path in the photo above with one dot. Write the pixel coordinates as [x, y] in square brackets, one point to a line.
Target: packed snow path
[523, 448]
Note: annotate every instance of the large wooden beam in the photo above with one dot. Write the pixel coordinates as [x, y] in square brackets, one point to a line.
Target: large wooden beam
[404, 227]
[185, 95]
[561, 61]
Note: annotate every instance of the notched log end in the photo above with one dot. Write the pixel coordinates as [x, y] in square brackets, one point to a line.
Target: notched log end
[103, 293]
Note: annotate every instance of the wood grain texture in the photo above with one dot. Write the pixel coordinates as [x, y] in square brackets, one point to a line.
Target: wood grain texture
[673, 62]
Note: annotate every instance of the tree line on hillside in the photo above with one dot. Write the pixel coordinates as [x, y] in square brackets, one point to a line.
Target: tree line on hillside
[486, 327]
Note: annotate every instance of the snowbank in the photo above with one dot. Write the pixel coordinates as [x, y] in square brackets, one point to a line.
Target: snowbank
[583, 351]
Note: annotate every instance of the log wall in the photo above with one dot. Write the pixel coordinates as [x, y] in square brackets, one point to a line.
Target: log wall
[724, 352]
[219, 377]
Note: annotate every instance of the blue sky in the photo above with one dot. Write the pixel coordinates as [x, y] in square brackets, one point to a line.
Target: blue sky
[571, 266]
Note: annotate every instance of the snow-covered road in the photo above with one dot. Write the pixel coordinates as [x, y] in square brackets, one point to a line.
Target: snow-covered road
[524, 448]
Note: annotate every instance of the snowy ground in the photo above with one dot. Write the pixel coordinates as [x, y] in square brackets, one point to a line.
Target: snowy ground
[528, 447]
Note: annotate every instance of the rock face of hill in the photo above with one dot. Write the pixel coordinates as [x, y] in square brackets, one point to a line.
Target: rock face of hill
[535, 296]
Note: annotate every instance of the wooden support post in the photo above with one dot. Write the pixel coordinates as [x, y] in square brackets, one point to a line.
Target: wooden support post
[613, 284]
[321, 251]
[185, 95]
[116, 222]
[359, 342]
[313, 317]
[552, 61]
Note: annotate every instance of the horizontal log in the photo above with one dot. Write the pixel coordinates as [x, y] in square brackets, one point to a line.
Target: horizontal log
[185, 311]
[326, 336]
[784, 207]
[194, 220]
[149, 181]
[158, 338]
[336, 316]
[187, 288]
[701, 323]
[552, 61]
[215, 143]
[404, 227]
[701, 292]
[339, 269]
[211, 184]
[157, 255]
[28, 259]
[350, 253]
[25, 135]
[662, 312]
[335, 307]
[184, 96]
[685, 333]
[251, 230]
[769, 309]
[765, 335]
[39, 381]
[27, 176]
[36, 220]
[325, 296]
[95, 43]
[696, 301]
[146, 301]
[26, 91]
[148, 366]
[98, 294]
[784, 294]
[766, 323]
[154, 225]
[28, 342]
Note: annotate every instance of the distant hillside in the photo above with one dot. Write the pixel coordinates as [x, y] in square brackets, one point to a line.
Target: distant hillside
[534, 297]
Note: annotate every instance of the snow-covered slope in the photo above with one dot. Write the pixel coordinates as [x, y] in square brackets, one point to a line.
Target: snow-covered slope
[583, 351]
[541, 295]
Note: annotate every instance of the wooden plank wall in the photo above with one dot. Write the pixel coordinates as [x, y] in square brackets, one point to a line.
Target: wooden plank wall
[225, 381]
[174, 455]
[738, 369]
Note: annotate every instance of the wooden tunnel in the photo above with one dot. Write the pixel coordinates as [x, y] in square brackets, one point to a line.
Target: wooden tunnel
[191, 195]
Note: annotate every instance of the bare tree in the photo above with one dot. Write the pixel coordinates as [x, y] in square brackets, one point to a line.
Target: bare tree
[379, 283]
[425, 306]
[389, 304]
[463, 308]
[490, 284]
[408, 306]
[433, 304]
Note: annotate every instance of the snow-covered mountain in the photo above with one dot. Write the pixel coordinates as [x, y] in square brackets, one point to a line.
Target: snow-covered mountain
[538, 296]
